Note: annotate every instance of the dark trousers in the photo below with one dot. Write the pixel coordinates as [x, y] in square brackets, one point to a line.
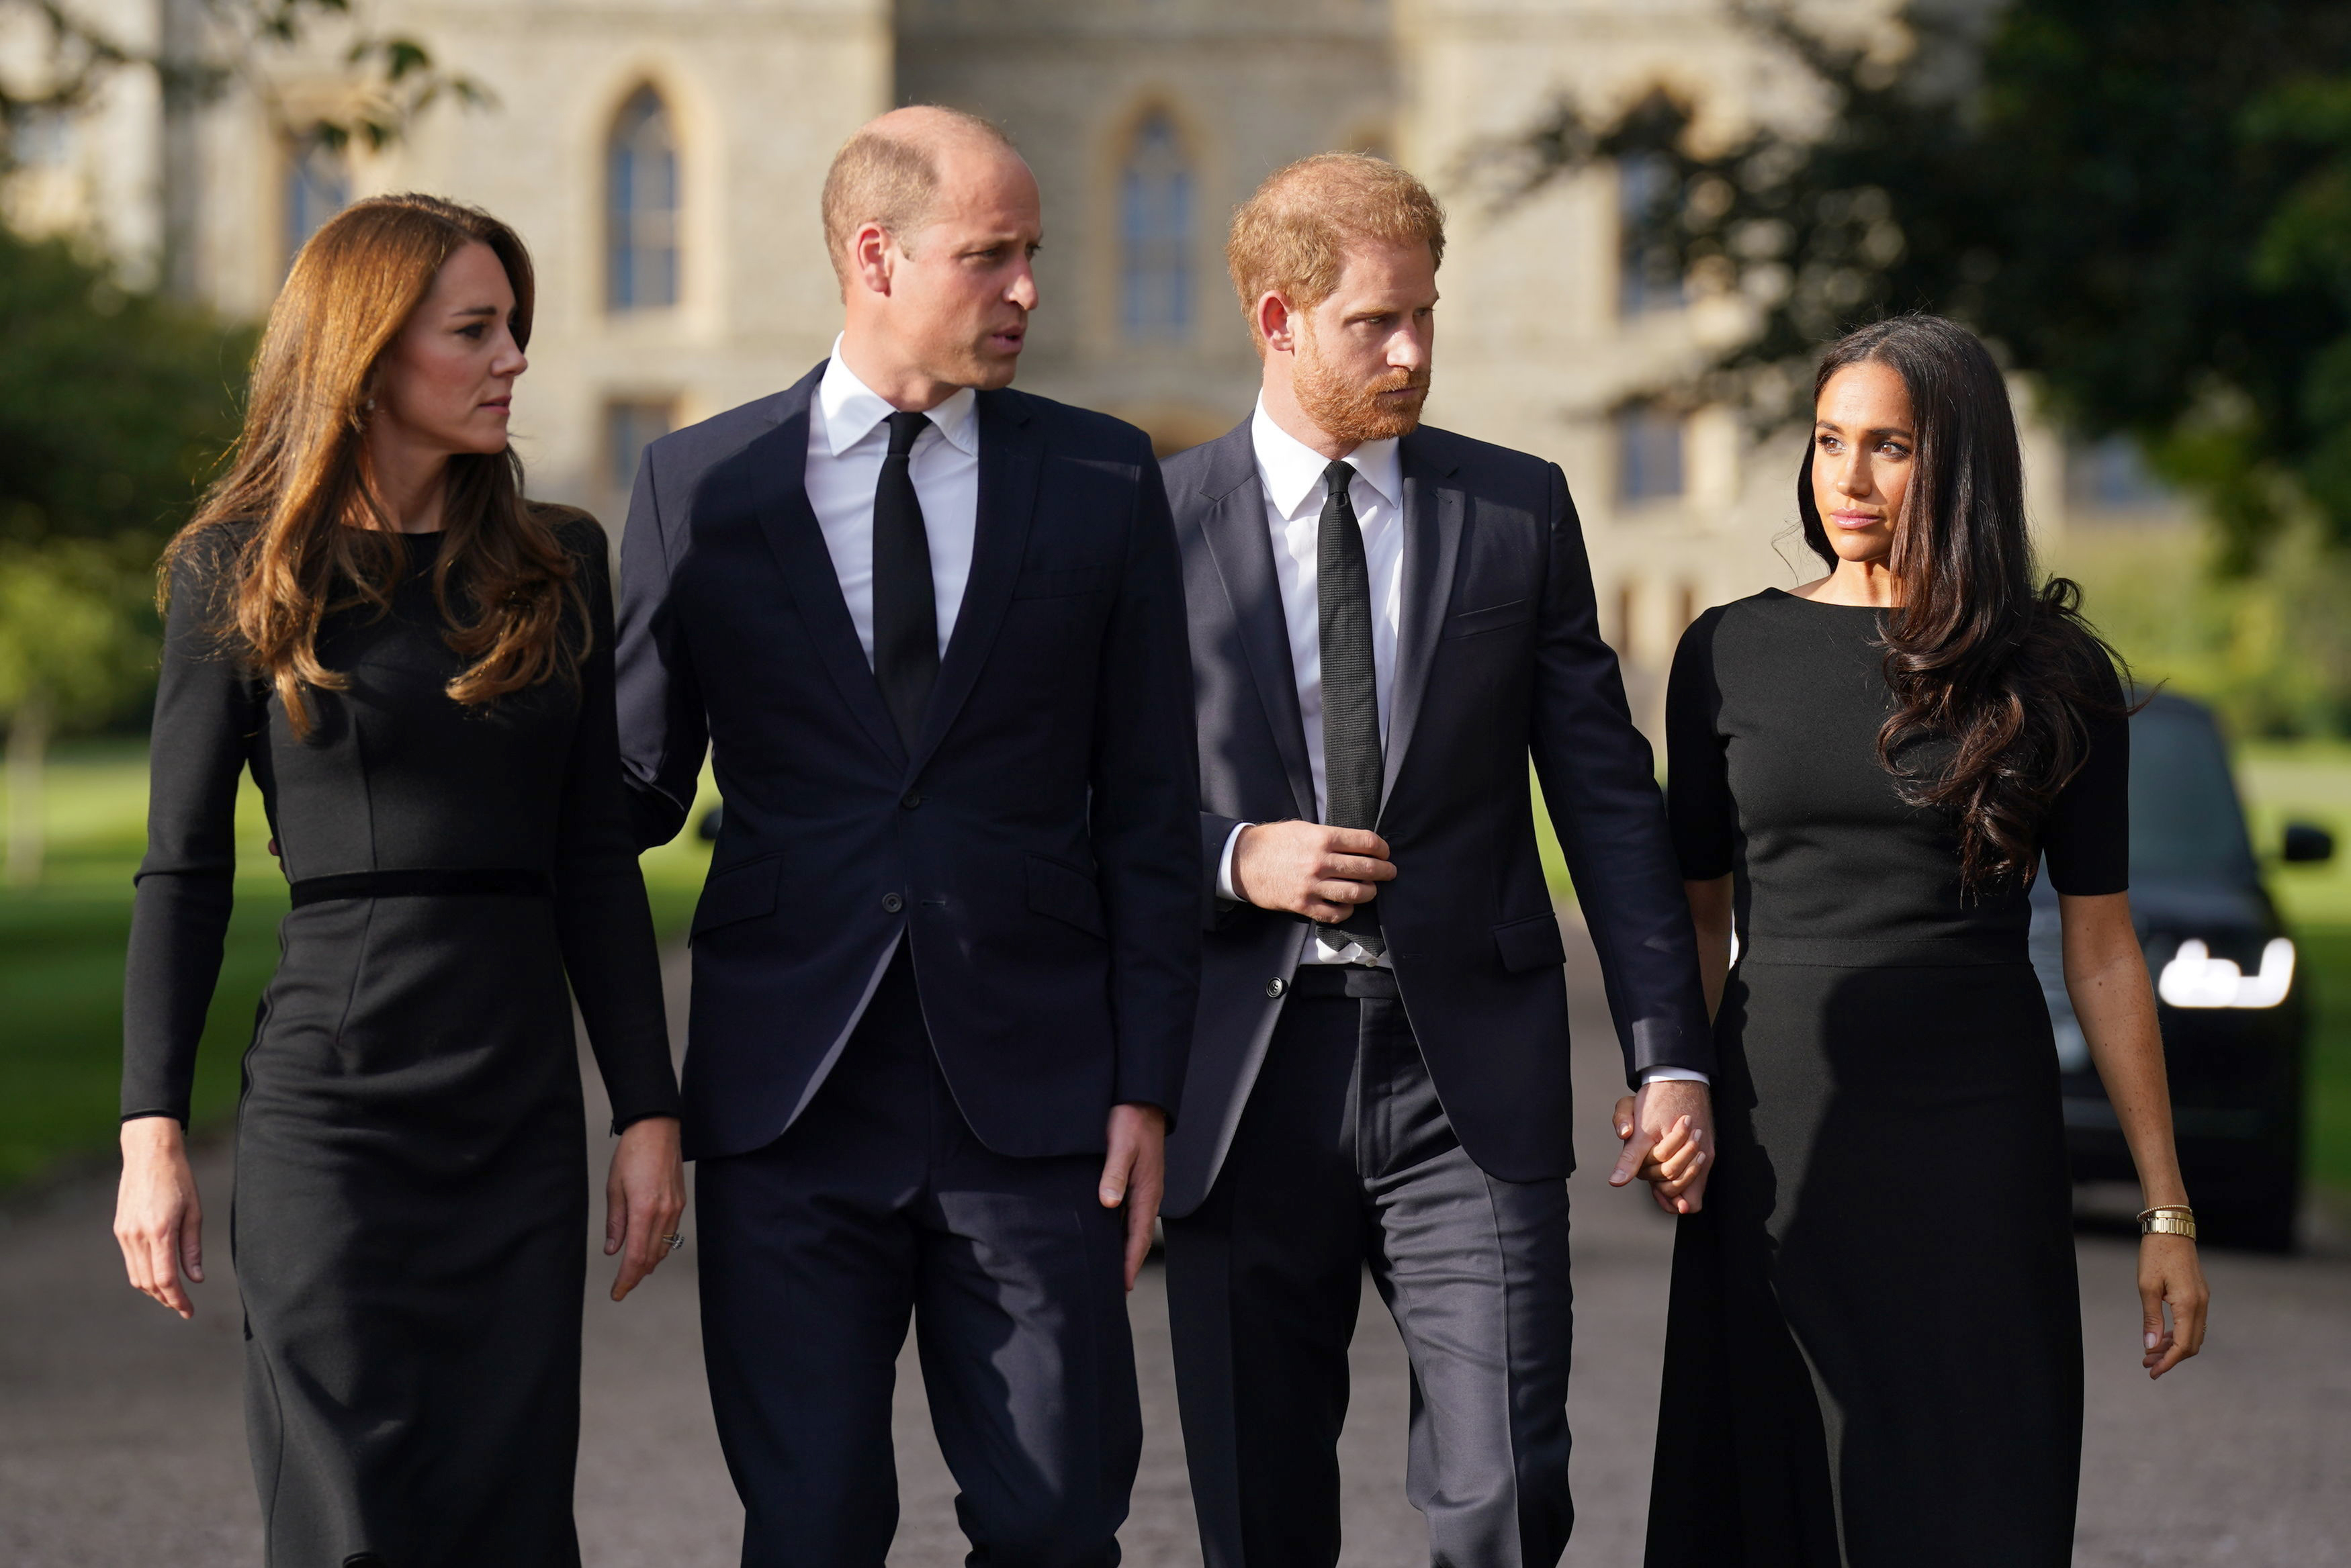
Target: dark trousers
[879, 1204]
[1343, 1157]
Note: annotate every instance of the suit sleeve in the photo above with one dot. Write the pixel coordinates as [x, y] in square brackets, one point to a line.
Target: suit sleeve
[601, 919]
[1599, 781]
[664, 732]
[1146, 823]
[208, 713]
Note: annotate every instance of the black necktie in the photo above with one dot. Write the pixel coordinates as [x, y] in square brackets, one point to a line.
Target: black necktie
[905, 610]
[1350, 710]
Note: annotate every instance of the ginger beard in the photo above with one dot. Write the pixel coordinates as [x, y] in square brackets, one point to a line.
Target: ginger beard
[1380, 409]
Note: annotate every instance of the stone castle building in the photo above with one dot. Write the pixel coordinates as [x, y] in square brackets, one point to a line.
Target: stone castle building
[662, 160]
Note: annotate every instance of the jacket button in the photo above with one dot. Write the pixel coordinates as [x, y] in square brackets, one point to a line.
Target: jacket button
[1276, 986]
[910, 801]
[891, 902]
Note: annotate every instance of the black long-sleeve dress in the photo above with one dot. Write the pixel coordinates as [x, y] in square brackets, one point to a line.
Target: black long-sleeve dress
[410, 1217]
[1873, 1351]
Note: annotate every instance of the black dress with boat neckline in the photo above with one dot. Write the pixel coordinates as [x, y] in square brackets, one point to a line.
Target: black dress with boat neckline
[1873, 1353]
[410, 1217]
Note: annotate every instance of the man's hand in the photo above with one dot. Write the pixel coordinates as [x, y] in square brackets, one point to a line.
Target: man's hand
[1668, 1133]
[1135, 1175]
[1308, 868]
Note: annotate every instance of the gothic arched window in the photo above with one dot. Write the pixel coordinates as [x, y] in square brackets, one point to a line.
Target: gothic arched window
[317, 186]
[1156, 233]
[641, 206]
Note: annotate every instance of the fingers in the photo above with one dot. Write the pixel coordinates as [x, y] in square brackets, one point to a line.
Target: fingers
[1357, 868]
[1118, 1167]
[163, 1272]
[2171, 1276]
[642, 1243]
[1638, 1143]
[1142, 1216]
[192, 1242]
[1358, 841]
[616, 1210]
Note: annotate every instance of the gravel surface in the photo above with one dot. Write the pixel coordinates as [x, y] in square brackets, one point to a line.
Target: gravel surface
[121, 1438]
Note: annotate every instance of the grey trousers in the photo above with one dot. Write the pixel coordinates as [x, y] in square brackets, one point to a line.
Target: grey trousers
[1345, 1158]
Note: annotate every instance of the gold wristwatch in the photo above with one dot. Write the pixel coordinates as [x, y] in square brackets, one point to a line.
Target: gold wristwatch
[2167, 1220]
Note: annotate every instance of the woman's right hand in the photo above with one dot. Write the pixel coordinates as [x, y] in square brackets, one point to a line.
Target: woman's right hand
[158, 1221]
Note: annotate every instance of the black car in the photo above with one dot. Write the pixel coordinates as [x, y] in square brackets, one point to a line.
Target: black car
[2228, 994]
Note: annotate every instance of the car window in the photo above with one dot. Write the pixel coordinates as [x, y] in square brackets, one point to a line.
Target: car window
[2186, 822]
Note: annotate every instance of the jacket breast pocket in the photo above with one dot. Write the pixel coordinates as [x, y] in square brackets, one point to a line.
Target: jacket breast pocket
[1062, 582]
[740, 893]
[1493, 618]
[1066, 894]
[1531, 943]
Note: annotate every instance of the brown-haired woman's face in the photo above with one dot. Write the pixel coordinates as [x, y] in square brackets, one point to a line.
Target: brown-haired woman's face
[1863, 444]
[446, 384]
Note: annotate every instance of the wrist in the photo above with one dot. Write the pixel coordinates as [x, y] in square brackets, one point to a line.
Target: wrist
[152, 1134]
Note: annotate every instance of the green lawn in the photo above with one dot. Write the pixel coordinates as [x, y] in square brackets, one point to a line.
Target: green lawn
[61, 946]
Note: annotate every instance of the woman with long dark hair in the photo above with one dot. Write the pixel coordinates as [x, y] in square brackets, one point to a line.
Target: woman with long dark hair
[1874, 1356]
[415, 664]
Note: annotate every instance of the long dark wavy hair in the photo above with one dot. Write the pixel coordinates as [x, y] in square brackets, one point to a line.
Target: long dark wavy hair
[1982, 656]
[316, 537]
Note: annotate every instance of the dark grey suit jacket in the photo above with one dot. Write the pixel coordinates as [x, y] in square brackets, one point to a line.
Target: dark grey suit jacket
[1499, 658]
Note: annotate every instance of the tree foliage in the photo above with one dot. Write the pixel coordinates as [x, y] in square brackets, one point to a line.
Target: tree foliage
[392, 77]
[2145, 203]
[112, 407]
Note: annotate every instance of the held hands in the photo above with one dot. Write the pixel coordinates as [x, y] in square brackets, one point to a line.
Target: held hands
[1668, 1134]
[1308, 868]
[158, 1221]
[2169, 1273]
[643, 1197]
[1135, 1176]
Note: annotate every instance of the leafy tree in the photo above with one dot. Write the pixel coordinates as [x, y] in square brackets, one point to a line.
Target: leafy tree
[113, 405]
[2146, 203]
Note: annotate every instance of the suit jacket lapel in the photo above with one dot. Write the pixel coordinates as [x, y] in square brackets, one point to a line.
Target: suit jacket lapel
[1011, 463]
[778, 465]
[1238, 537]
[1433, 509]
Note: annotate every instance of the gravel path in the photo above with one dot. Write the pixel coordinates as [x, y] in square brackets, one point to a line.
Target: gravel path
[121, 1438]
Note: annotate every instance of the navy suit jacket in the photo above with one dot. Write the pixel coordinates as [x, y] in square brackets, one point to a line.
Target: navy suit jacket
[1499, 656]
[1039, 849]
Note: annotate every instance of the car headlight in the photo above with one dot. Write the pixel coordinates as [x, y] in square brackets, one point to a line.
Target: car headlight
[2194, 977]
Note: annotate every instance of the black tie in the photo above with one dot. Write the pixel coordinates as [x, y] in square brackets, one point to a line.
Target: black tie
[1351, 710]
[905, 610]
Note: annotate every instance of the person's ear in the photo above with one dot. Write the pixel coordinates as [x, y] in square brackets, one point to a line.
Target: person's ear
[1276, 323]
[871, 257]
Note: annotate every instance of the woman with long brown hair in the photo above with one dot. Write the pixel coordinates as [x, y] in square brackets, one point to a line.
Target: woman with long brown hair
[415, 664]
[1873, 1353]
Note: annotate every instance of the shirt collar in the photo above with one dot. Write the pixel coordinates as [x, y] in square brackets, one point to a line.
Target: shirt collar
[851, 410]
[1292, 470]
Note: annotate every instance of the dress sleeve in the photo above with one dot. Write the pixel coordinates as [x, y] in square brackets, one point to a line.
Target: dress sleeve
[1697, 775]
[601, 916]
[2087, 836]
[208, 715]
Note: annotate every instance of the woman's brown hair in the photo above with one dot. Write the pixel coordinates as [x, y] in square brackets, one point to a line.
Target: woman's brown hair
[317, 537]
[1981, 654]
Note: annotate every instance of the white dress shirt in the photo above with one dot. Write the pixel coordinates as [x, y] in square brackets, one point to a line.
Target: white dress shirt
[1290, 472]
[847, 442]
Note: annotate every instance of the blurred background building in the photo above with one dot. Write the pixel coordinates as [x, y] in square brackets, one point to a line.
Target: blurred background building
[664, 162]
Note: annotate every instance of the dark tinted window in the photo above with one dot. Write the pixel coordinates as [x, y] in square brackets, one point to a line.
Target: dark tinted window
[2185, 823]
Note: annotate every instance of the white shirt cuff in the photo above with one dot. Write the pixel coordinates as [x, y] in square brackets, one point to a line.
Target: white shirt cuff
[1225, 866]
[1672, 1075]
